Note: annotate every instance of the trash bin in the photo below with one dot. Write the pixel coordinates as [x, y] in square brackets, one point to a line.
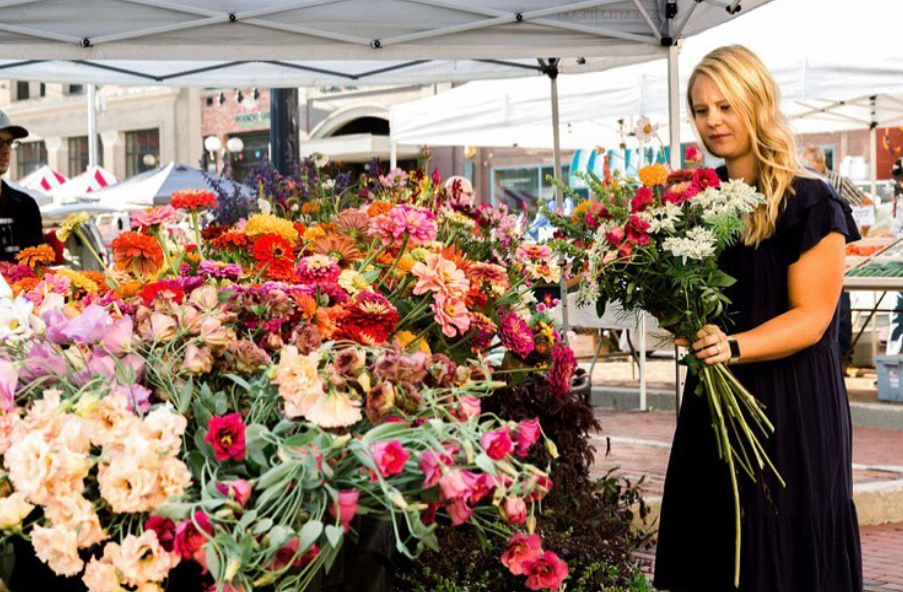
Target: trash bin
[890, 373]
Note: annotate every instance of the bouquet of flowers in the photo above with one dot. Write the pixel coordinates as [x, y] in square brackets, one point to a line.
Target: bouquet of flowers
[654, 246]
[235, 396]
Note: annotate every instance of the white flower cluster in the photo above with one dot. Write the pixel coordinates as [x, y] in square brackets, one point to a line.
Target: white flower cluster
[663, 218]
[735, 198]
[699, 244]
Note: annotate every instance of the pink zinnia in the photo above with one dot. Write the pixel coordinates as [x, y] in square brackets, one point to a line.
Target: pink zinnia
[521, 549]
[418, 224]
[494, 275]
[563, 365]
[451, 314]
[516, 335]
[390, 457]
[318, 269]
[438, 274]
[682, 192]
[533, 252]
[144, 219]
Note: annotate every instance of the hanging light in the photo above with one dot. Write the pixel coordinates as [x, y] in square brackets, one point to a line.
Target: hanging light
[222, 98]
[255, 94]
[239, 97]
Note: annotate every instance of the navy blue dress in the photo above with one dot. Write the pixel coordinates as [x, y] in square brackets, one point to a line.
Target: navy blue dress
[802, 538]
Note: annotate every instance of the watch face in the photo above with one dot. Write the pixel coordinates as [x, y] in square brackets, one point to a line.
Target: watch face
[735, 348]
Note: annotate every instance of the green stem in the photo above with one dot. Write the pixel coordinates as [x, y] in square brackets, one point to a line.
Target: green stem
[87, 243]
[197, 232]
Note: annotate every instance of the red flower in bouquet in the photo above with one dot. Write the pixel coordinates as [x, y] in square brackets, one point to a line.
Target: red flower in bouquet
[547, 572]
[318, 269]
[642, 200]
[231, 240]
[390, 457]
[132, 250]
[563, 365]
[705, 178]
[637, 231]
[288, 554]
[275, 254]
[516, 335]
[521, 549]
[193, 200]
[682, 192]
[227, 436]
[191, 543]
[165, 530]
[369, 318]
[497, 444]
[168, 289]
[616, 236]
[346, 507]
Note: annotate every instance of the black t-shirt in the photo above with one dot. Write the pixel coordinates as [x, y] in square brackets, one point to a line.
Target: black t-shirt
[20, 223]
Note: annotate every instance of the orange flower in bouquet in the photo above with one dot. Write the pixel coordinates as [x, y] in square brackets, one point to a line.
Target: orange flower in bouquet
[34, 256]
[273, 253]
[138, 252]
[193, 200]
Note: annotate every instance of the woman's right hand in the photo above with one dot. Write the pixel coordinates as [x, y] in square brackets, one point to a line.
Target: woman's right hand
[682, 342]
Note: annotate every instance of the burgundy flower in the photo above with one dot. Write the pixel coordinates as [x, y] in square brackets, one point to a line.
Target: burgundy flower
[165, 529]
[563, 365]
[638, 231]
[642, 200]
[516, 334]
[227, 436]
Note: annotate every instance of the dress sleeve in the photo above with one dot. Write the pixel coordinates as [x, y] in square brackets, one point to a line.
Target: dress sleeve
[814, 212]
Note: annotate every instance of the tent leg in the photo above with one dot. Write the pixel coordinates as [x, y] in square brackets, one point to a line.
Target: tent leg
[642, 346]
[552, 73]
[393, 156]
[674, 105]
[873, 145]
[92, 128]
[283, 128]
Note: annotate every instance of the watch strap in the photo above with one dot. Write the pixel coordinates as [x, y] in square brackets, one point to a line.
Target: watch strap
[735, 350]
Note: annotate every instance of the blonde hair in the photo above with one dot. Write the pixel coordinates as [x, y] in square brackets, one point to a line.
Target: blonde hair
[753, 94]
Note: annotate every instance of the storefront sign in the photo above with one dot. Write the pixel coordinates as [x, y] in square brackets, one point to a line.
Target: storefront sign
[255, 119]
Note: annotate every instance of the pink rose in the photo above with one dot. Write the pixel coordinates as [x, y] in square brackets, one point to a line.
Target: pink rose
[547, 572]
[227, 436]
[455, 484]
[497, 444]
[467, 408]
[459, 512]
[390, 457]
[525, 436]
[521, 549]
[431, 464]
[515, 510]
[191, 543]
[240, 490]
[346, 507]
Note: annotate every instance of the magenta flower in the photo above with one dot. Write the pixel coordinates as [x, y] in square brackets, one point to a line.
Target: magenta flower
[418, 224]
[705, 178]
[165, 530]
[525, 436]
[516, 335]
[219, 269]
[642, 200]
[227, 436]
[318, 269]
[497, 443]
[638, 231]
[431, 463]
[390, 457]
[455, 484]
[616, 236]
[563, 365]
[346, 507]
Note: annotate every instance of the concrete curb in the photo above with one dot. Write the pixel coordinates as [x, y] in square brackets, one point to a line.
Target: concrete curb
[880, 416]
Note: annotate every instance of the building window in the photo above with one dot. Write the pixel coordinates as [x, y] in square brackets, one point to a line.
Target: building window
[42, 90]
[142, 151]
[255, 154]
[79, 157]
[76, 89]
[524, 189]
[30, 157]
[23, 91]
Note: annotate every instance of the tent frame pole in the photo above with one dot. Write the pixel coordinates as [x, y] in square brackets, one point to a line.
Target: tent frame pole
[92, 127]
[873, 144]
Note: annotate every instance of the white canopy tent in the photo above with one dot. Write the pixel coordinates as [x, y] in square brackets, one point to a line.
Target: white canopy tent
[94, 178]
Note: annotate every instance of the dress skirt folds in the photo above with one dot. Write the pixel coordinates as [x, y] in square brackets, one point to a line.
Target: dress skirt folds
[803, 537]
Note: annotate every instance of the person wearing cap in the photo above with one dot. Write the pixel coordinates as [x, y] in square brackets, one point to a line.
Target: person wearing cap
[20, 217]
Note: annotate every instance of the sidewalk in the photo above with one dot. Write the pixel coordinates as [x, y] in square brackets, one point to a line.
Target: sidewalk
[639, 445]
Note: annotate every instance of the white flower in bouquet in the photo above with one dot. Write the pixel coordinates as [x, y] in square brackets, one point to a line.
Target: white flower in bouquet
[698, 244]
[588, 293]
[663, 218]
[645, 130]
[15, 319]
[264, 207]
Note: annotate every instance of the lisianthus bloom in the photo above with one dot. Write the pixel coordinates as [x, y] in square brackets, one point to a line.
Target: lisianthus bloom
[57, 547]
[145, 219]
[138, 252]
[318, 269]
[516, 335]
[497, 443]
[431, 463]
[451, 314]
[459, 512]
[521, 548]
[390, 457]
[273, 253]
[468, 407]
[652, 175]
[193, 200]
[369, 318]
[142, 559]
[190, 541]
[239, 490]
[165, 529]
[515, 510]
[416, 223]
[34, 256]
[526, 435]
[438, 274]
[642, 200]
[288, 555]
[563, 365]
[261, 224]
[546, 572]
[227, 436]
[345, 508]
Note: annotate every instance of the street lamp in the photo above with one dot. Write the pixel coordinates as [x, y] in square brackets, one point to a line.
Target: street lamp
[235, 145]
[212, 144]
[150, 160]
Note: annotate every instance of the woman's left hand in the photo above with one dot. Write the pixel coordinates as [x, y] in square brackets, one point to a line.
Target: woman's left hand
[712, 346]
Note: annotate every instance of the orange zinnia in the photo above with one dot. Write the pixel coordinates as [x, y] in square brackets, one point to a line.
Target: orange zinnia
[97, 277]
[378, 208]
[138, 252]
[24, 285]
[193, 199]
[276, 254]
[340, 248]
[129, 289]
[230, 239]
[310, 207]
[34, 256]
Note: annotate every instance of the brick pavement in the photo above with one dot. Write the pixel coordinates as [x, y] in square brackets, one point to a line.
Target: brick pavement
[639, 444]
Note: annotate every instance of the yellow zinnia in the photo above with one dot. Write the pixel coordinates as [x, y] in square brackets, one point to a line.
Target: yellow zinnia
[71, 224]
[404, 338]
[79, 280]
[268, 224]
[653, 175]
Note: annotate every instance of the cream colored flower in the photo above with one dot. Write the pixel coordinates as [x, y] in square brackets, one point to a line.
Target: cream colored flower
[110, 419]
[334, 409]
[13, 510]
[353, 282]
[15, 319]
[76, 514]
[58, 548]
[101, 576]
[30, 465]
[174, 477]
[299, 380]
[11, 430]
[165, 427]
[130, 481]
[141, 559]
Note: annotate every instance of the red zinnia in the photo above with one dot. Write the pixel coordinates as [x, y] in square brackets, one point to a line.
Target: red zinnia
[231, 239]
[369, 318]
[193, 199]
[169, 289]
[133, 250]
[275, 254]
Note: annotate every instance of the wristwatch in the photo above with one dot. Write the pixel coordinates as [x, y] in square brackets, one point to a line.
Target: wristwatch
[735, 350]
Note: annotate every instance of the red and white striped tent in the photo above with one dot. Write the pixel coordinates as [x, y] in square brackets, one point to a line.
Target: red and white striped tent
[93, 179]
[45, 180]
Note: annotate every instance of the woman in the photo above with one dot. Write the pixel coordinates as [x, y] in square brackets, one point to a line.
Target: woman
[783, 319]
